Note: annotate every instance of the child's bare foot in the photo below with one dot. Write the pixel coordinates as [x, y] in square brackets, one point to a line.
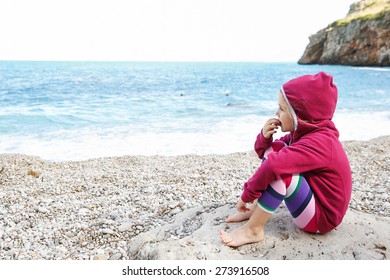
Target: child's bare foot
[238, 217]
[241, 216]
[243, 235]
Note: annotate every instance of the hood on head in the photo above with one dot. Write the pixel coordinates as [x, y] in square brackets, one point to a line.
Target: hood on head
[311, 98]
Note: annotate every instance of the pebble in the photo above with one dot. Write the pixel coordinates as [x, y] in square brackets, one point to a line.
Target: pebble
[100, 257]
[84, 211]
[92, 209]
[113, 215]
[116, 257]
[42, 210]
[107, 231]
[124, 227]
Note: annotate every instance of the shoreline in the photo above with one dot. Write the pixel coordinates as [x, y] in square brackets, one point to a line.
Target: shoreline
[98, 208]
[85, 144]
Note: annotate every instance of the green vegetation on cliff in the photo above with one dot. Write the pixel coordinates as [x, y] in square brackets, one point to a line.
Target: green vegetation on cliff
[364, 10]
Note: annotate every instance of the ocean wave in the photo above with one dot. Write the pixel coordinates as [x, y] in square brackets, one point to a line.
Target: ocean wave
[223, 137]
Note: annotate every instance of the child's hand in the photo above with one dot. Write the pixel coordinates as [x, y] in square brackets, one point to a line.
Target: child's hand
[270, 127]
[241, 206]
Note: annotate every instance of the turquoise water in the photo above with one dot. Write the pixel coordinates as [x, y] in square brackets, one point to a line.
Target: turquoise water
[80, 110]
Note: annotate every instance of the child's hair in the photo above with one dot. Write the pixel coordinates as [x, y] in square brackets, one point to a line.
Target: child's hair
[289, 112]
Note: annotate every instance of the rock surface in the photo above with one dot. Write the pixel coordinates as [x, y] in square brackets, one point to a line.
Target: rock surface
[194, 234]
[362, 38]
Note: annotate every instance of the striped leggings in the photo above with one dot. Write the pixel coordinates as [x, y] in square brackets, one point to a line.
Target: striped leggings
[296, 193]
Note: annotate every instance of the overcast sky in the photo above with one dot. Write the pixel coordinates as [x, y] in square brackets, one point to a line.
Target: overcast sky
[162, 30]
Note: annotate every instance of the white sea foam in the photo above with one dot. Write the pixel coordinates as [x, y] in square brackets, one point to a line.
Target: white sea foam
[362, 125]
[227, 136]
[383, 69]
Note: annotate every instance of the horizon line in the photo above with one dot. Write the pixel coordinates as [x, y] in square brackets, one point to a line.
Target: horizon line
[148, 61]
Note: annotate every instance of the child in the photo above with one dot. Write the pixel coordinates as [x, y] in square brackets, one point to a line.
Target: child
[307, 168]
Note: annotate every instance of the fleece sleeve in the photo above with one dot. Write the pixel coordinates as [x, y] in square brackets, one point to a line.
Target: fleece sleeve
[262, 144]
[300, 157]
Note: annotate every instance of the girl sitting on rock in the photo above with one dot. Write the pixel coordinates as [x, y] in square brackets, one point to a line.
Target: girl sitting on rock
[307, 168]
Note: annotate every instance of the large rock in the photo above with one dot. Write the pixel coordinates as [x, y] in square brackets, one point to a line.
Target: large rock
[194, 235]
[362, 38]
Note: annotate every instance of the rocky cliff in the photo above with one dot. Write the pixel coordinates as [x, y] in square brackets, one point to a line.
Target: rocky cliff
[362, 38]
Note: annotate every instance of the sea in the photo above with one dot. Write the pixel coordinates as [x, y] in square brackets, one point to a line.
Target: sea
[69, 111]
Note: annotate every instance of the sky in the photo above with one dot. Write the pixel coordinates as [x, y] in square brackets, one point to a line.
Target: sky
[162, 30]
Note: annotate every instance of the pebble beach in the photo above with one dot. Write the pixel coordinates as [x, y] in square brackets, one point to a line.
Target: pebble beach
[93, 209]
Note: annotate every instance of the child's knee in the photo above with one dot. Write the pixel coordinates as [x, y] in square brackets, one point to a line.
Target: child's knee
[278, 145]
[275, 147]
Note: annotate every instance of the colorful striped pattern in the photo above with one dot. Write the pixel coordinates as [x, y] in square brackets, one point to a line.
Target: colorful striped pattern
[298, 198]
[297, 195]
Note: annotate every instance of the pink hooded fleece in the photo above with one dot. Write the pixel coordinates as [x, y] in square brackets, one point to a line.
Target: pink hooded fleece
[313, 150]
